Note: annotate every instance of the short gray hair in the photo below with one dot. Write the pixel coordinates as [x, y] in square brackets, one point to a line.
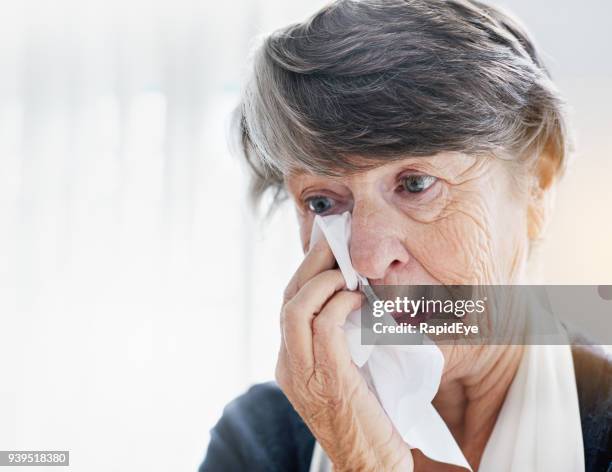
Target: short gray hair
[365, 81]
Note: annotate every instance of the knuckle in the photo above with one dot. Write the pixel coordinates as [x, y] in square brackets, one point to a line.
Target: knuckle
[323, 384]
[349, 299]
[289, 314]
[289, 292]
[335, 276]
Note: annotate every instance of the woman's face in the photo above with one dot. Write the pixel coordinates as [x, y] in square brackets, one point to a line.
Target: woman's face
[451, 219]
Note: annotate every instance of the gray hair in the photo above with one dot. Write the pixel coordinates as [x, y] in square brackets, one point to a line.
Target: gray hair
[364, 82]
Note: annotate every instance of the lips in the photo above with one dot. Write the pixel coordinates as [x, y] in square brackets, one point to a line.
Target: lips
[408, 318]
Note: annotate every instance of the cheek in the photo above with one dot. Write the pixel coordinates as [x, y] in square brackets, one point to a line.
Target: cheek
[476, 240]
[513, 238]
[305, 224]
[460, 248]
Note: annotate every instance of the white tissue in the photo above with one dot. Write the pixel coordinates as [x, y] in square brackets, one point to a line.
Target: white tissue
[405, 378]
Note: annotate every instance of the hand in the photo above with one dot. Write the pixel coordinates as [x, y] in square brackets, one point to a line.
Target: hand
[316, 373]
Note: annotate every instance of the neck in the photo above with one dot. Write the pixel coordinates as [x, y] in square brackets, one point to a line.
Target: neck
[472, 392]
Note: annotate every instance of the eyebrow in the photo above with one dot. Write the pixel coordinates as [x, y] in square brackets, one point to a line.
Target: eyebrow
[298, 172]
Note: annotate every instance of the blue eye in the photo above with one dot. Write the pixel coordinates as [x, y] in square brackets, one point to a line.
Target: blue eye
[319, 205]
[416, 183]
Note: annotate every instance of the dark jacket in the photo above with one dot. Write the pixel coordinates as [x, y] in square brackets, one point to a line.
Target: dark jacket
[260, 430]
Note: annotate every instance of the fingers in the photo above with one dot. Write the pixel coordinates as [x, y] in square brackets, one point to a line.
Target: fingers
[315, 306]
[318, 259]
[298, 314]
[315, 293]
[329, 346]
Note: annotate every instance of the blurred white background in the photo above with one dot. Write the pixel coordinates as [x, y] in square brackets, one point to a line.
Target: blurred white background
[126, 241]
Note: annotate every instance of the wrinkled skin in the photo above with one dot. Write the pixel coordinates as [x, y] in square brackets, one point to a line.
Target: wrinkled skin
[471, 225]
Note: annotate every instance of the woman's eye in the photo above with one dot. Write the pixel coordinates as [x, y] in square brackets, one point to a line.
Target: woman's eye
[319, 205]
[416, 183]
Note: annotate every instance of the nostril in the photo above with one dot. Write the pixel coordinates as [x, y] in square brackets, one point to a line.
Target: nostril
[395, 264]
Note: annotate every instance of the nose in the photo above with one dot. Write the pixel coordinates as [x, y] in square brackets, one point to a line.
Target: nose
[376, 247]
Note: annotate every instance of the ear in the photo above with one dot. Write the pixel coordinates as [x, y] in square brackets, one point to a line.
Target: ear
[542, 193]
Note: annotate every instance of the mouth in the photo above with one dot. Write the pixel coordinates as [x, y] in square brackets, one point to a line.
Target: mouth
[412, 318]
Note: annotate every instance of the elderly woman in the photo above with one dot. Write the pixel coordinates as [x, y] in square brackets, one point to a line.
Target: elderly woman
[436, 125]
